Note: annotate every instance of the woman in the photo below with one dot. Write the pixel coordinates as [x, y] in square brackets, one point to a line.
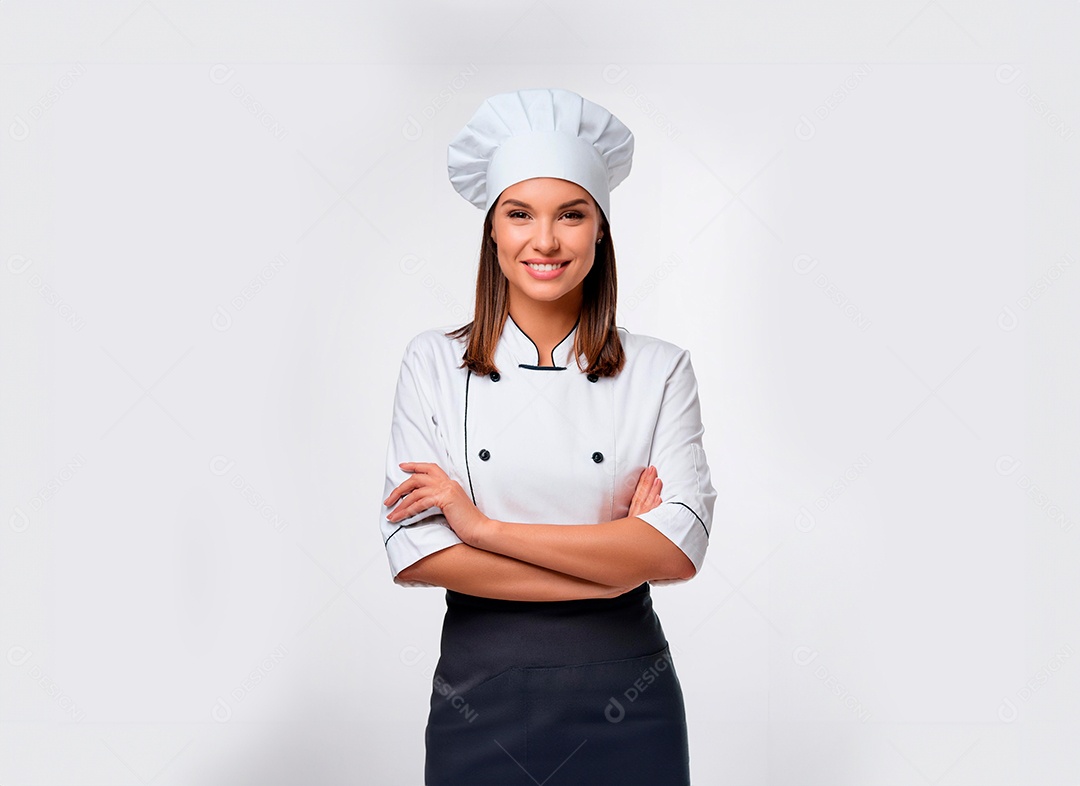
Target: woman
[524, 475]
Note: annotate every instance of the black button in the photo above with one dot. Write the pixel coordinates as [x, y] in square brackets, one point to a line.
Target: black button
[494, 376]
[592, 377]
[598, 457]
[484, 455]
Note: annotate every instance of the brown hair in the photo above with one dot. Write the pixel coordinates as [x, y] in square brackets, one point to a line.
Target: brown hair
[596, 337]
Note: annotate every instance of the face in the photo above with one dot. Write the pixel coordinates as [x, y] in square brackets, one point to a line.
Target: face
[546, 231]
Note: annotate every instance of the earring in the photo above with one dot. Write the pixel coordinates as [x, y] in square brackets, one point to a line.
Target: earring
[599, 239]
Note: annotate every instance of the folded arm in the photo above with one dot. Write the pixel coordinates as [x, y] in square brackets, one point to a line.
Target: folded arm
[463, 568]
[624, 552]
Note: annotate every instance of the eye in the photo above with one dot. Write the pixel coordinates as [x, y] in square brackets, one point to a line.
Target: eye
[574, 215]
[517, 214]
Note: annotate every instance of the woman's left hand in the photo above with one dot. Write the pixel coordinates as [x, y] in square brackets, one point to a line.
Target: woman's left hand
[428, 486]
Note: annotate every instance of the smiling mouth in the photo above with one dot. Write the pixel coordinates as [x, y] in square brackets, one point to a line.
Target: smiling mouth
[546, 265]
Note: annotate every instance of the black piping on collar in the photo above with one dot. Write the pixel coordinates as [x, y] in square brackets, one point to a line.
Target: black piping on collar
[538, 367]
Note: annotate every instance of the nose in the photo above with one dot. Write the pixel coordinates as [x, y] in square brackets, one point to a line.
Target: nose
[545, 240]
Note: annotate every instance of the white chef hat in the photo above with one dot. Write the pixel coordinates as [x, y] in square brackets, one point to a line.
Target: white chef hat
[539, 133]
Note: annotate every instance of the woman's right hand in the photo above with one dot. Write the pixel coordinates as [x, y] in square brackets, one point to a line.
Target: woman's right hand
[646, 497]
[647, 493]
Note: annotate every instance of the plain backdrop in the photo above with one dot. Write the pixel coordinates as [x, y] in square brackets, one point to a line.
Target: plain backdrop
[221, 223]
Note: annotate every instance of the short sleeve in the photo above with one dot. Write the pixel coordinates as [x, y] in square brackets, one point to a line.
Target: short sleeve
[685, 512]
[414, 436]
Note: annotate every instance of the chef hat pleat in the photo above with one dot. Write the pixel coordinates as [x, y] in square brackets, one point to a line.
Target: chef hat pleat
[545, 132]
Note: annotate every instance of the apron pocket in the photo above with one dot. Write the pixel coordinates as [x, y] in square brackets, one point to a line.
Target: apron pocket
[610, 722]
[606, 722]
[468, 734]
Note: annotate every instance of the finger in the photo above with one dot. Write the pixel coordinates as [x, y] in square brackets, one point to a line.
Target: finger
[643, 489]
[402, 490]
[422, 467]
[408, 509]
[408, 486]
[645, 480]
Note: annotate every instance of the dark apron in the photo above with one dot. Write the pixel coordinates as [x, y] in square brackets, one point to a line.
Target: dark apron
[563, 693]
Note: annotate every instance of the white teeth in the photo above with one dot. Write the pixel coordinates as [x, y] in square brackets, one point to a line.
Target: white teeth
[543, 267]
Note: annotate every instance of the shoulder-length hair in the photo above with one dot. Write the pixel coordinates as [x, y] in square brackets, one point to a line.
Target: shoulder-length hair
[597, 337]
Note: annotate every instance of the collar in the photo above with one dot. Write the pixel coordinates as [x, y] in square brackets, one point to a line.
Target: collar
[522, 351]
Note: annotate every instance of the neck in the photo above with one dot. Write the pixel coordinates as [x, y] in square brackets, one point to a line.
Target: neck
[546, 323]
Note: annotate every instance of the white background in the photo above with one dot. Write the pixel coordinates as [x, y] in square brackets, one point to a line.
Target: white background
[221, 222]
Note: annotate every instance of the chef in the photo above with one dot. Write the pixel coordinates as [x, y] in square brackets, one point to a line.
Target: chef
[545, 467]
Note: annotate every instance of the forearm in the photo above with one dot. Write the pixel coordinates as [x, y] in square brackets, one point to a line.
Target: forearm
[485, 574]
[623, 552]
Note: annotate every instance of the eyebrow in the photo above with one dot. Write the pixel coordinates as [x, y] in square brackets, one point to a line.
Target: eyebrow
[571, 203]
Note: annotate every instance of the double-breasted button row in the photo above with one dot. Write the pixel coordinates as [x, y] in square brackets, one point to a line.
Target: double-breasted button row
[485, 454]
[495, 377]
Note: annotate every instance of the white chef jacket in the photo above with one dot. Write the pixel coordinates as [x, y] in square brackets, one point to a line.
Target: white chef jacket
[548, 444]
